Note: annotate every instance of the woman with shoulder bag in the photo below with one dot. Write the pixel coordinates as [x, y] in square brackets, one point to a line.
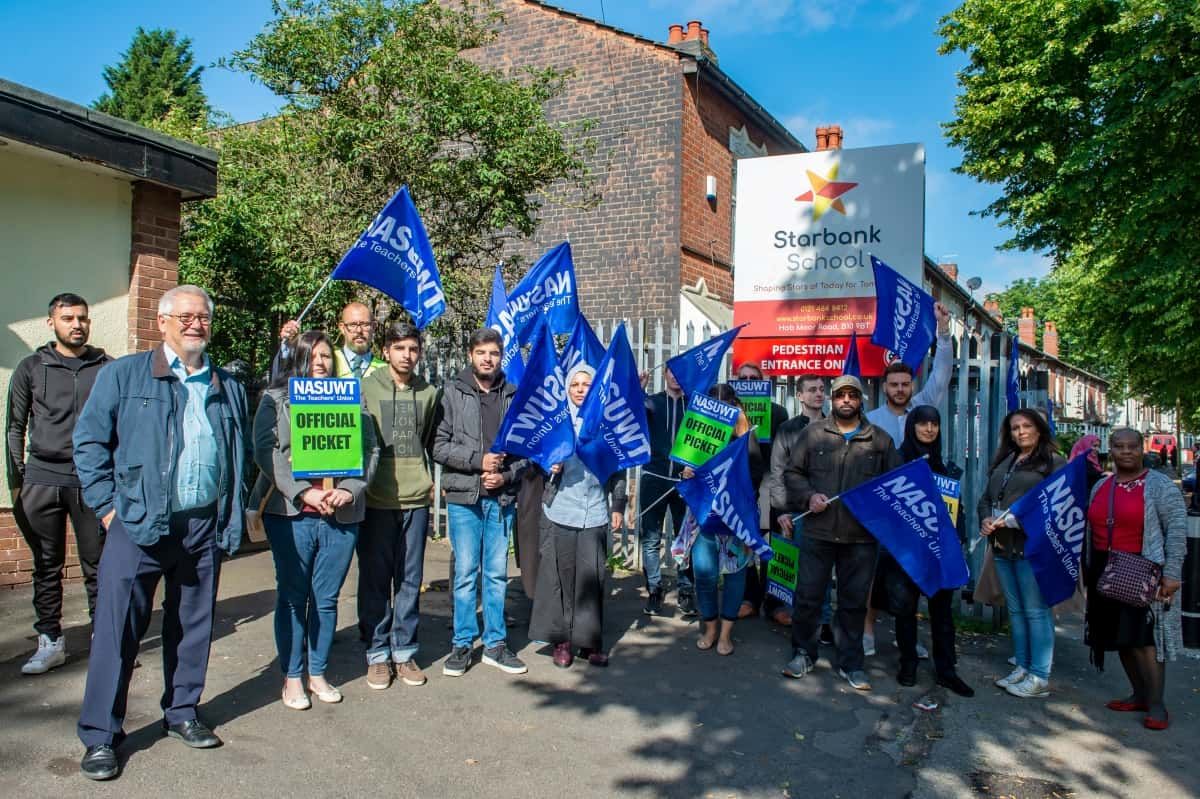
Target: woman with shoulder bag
[1023, 459]
[1133, 562]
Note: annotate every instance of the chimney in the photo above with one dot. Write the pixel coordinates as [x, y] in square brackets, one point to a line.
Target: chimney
[1050, 339]
[693, 31]
[692, 39]
[835, 137]
[1026, 328]
[675, 35]
[822, 138]
[951, 271]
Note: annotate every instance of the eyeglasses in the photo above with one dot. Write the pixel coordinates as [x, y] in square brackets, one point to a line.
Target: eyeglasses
[186, 319]
[358, 325]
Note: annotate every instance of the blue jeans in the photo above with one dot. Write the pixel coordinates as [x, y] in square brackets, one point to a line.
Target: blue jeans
[1029, 617]
[650, 491]
[479, 536]
[706, 567]
[312, 555]
[391, 564]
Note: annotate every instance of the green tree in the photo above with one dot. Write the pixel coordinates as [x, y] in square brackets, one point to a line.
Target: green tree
[378, 94]
[156, 78]
[1085, 113]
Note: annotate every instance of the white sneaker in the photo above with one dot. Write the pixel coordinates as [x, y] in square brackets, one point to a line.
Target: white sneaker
[1015, 677]
[1030, 687]
[51, 652]
[868, 644]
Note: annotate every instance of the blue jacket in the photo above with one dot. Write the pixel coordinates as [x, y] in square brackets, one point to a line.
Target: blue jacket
[129, 437]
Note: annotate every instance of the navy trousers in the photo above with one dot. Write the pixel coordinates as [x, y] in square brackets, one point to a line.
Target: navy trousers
[190, 563]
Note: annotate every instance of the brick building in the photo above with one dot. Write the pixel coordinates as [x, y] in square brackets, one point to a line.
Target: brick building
[88, 204]
[670, 126]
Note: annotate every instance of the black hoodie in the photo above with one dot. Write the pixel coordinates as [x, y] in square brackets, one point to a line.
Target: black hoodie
[46, 394]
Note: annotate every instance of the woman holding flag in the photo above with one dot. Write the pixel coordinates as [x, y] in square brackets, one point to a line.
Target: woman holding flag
[577, 514]
[1024, 457]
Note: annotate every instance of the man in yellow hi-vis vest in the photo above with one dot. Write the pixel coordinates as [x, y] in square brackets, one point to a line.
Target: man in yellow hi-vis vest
[353, 359]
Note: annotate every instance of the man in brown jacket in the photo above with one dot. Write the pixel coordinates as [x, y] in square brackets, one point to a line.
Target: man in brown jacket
[832, 456]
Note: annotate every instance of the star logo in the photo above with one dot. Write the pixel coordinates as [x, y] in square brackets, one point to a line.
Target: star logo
[825, 193]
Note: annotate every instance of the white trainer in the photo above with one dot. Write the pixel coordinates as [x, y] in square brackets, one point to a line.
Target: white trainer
[1015, 677]
[1031, 687]
[51, 653]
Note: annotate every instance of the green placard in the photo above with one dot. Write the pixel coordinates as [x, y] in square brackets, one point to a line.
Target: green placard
[326, 426]
[706, 428]
[781, 569]
[755, 396]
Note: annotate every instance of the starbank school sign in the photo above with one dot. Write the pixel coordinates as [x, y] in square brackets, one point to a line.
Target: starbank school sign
[805, 227]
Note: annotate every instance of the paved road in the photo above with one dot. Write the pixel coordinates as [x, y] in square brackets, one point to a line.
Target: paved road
[665, 720]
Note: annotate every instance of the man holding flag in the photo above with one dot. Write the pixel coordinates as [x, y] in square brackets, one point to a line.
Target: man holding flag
[832, 456]
[353, 359]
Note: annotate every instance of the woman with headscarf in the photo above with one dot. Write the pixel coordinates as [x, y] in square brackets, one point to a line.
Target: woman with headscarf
[922, 439]
[578, 512]
[1089, 445]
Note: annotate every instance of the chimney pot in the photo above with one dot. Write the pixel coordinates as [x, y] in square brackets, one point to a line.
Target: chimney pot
[704, 35]
[951, 271]
[1050, 339]
[822, 138]
[674, 34]
[1026, 328]
[835, 137]
[1027, 313]
[693, 30]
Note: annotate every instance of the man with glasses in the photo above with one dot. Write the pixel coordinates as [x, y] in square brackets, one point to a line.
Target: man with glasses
[159, 448]
[353, 359]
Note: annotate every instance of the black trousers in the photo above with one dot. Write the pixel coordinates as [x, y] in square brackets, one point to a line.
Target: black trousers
[568, 606]
[901, 597]
[190, 562]
[41, 513]
[855, 569]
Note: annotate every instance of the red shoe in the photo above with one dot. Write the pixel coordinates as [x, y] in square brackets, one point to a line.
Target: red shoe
[562, 656]
[594, 657]
[1157, 724]
[1125, 706]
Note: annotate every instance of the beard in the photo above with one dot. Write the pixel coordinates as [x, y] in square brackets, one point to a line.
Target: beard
[72, 340]
[846, 413]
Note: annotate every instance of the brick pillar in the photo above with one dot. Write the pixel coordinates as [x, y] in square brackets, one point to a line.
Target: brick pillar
[154, 259]
[1050, 339]
[1026, 328]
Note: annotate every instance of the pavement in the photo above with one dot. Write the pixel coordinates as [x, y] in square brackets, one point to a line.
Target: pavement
[664, 720]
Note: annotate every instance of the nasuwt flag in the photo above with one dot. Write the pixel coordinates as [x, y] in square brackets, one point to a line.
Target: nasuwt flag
[510, 358]
[394, 256]
[614, 433]
[582, 347]
[548, 289]
[696, 370]
[905, 320]
[850, 365]
[721, 497]
[1053, 515]
[537, 424]
[1050, 417]
[904, 510]
[1011, 387]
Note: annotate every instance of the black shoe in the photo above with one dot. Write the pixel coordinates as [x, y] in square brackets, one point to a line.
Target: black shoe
[505, 660]
[99, 763]
[907, 675]
[653, 603]
[458, 662]
[826, 637]
[193, 733]
[687, 605]
[955, 684]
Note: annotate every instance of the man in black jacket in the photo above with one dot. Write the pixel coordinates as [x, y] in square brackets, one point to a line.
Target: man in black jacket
[47, 392]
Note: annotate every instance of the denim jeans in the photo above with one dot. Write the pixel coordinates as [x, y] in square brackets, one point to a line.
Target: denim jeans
[391, 565]
[855, 565]
[312, 556]
[650, 490]
[707, 568]
[479, 536]
[1029, 617]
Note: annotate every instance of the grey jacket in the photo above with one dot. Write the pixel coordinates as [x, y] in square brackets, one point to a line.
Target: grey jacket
[273, 455]
[1164, 541]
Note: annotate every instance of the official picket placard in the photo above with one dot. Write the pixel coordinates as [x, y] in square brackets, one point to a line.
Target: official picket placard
[755, 396]
[326, 426]
[706, 428]
[781, 570]
[951, 492]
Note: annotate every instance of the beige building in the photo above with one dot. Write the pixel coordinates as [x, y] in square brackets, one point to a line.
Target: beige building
[88, 204]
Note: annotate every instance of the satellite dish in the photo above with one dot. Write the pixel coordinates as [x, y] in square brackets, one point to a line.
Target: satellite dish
[974, 283]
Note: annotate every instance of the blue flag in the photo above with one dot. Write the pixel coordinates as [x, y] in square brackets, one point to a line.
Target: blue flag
[614, 433]
[1050, 417]
[850, 365]
[722, 498]
[510, 359]
[905, 320]
[582, 347]
[394, 256]
[1053, 515]
[538, 422]
[548, 289]
[905, 511]
[1012, 387]
[697, 369]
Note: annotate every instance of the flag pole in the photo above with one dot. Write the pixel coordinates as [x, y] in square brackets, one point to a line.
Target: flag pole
[308, 307]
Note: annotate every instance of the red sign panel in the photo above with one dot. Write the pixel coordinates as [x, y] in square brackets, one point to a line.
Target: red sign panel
[799, 356]
[838, 316]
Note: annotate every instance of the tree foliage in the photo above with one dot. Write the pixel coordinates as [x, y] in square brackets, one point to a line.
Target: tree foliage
[1085, 113]
[378, 94]
[156, 78]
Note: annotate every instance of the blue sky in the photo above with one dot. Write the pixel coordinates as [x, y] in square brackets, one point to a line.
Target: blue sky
[872, 67]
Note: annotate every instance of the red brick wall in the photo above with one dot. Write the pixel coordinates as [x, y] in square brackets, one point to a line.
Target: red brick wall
[153, 268]
[627, 249]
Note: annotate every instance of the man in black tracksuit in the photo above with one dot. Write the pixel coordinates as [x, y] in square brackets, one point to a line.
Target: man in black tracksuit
[47, 392]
